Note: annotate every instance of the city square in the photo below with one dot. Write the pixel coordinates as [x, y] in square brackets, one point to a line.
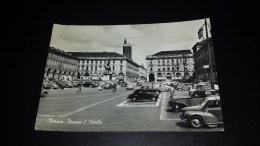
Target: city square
[106, 90]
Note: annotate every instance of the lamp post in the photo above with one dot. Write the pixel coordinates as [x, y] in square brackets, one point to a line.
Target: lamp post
[209, 53]
[200, 34]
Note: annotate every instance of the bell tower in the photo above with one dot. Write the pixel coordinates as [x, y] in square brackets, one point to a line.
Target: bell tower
[127, 49]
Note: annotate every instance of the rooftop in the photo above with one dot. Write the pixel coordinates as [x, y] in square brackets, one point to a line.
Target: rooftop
[175, 52]
[96, 54]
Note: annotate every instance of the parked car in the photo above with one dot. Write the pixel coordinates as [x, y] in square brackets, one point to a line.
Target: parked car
[141, 94]
[46, 84]
[63, 84]
[178, 87]
[107, 85]
[139, 83]
[164, 88]
[130, 87]
[203, 93]
[85, 83]
[94, 84]
[75, 83]
[206, 113]
[54, 85]
[151, 89]
[178, 104]
[44, 92]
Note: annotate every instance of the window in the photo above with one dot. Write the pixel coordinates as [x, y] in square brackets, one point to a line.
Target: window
[83, 61]
[121, 61]
[159, 61]
[163, 68]
[113, 68]
[121, 68]
[159, 69]
[113, 61]
[172, 68]
[87, 61]
[168, 68]
[151, 69]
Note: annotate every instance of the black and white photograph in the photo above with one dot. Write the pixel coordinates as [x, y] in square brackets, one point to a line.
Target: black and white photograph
[158, 77]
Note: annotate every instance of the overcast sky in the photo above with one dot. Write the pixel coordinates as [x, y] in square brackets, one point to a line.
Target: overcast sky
[146, 39]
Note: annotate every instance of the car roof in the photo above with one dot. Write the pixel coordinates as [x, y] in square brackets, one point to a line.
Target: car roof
[213, 97]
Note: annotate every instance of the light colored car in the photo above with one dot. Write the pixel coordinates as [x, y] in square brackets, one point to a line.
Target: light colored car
[207, 113]
[130, 86]
[164, 88]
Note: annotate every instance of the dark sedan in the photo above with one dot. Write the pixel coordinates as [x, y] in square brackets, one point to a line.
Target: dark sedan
[142, 94]
[195, 99]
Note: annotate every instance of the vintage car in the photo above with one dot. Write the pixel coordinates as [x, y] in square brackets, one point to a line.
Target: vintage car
[130, 86]
[43, 92]
[141, 94]
[164, 88]
[196, 98]
[177, 104]
[46, 84]
[206, 113]
[139, 83]
[150, 89]
[203, 93]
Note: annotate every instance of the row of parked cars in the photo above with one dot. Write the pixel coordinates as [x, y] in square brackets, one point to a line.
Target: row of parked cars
[201, 108]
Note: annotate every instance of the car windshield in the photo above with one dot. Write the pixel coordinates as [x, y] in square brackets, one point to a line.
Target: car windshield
[203, 102]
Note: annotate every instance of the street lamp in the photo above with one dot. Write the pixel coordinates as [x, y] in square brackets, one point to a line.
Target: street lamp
[200, 35]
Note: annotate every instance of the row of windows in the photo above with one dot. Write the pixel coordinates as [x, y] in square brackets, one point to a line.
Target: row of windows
[177, 60]
[91, 68]
[173, 68]
[99, 61]
[61, 64]
[61, 59]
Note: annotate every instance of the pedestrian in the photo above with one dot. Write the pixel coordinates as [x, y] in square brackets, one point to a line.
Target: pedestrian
[79, 89]
[114, 87]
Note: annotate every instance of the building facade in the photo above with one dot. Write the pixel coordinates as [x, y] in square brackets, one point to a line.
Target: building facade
[106, 66]
[60, 65]
[170, 65]
[201, 59]
[142, 73]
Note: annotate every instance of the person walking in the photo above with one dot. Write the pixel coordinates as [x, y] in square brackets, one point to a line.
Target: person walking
[79, 89]
[114, 87]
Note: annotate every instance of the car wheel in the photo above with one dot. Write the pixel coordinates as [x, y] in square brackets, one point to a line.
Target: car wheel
[133, 99]
[154, 99]
[196, 122]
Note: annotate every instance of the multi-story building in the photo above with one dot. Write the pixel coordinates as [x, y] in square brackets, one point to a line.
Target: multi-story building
[142, 73]
[201, 59]
[170, 65]
[100, 65]
[127, 49]
[60, 65]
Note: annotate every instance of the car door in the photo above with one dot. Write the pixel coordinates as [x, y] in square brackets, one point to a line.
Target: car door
[141, 94]
[214, 112]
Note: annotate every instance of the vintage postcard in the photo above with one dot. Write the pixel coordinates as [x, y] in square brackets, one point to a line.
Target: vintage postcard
[138, 77]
